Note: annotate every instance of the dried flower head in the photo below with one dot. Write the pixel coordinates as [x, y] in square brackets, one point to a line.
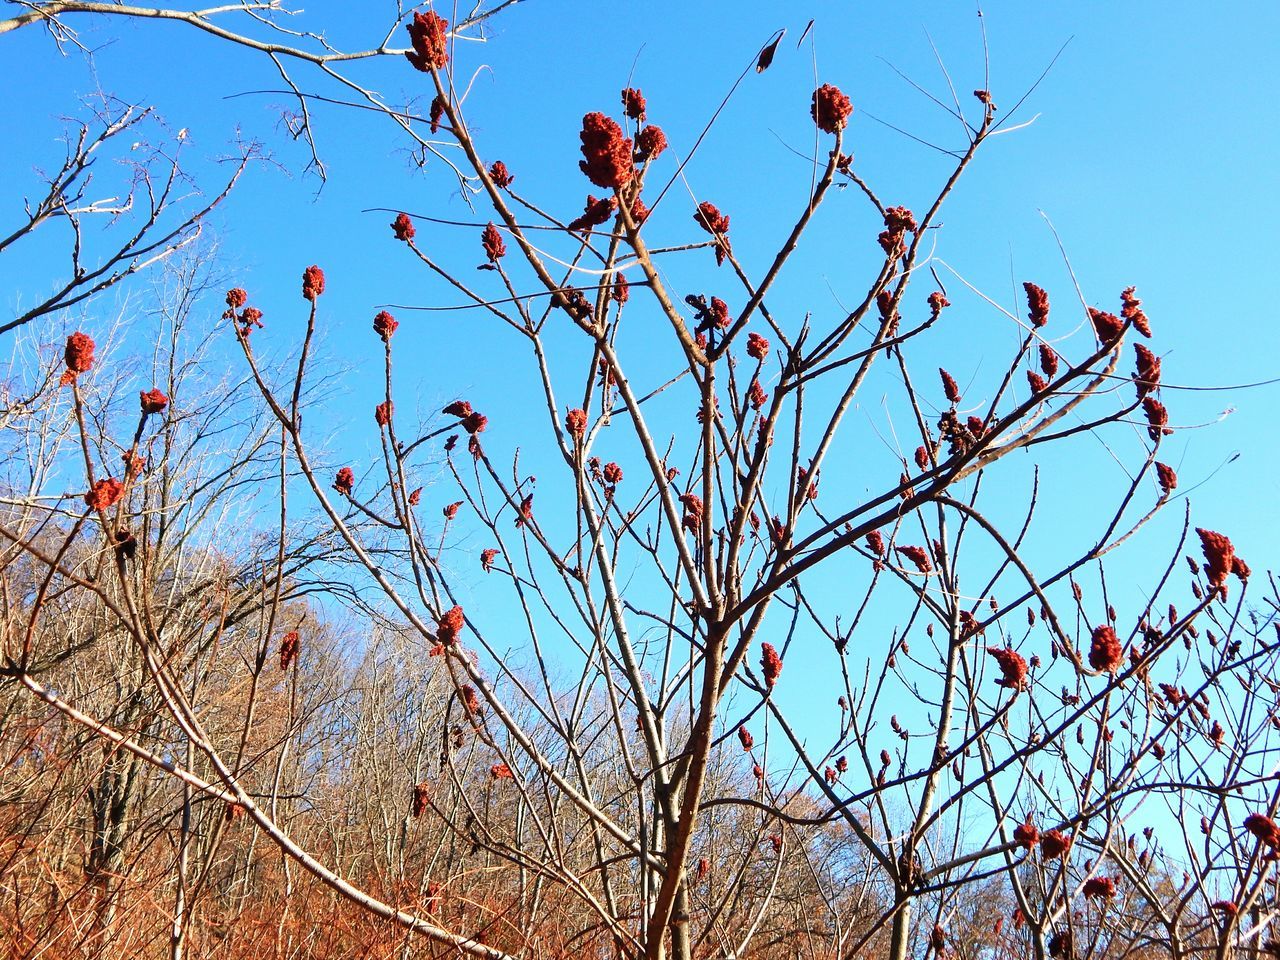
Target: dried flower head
[693, 511]
[898, 222]
[830, 108]
[500, 176]
[756, 395]
[237, 298]
[402, 227]
[709, 217]
[806, 488]
[744, 736]
[1026, 835]
[105, 494]
[501, 771]
[1107, 326]
[429, 34]
[633, 103]
[470, 700]
[250, 319]
[1106, 653]
[421, 793]
[312, 283]
[612, 473]
[1167, 477]
[436, 113]
[289, 645]
[385, 325]
[459, 408]
[770, 663]
[718, 314]
[1264, 828]
[875, 543]
[1147, 376]
[1037, 383]
[525, 513]
[1013, 668]
[575, 421]
[494, 246]
[345, 481]
[382, 413]
[449, 626]
[1037, 304]
[487, 557]
[1239, 568]
[1217, 734]
[1132, 310]
[79, 353]
[475, 422]
[918, 556]
[651, 142]
[152, 401]
[1157, 418]
[884, 303]
[451, 510]
[1104, 887]
[1219, 555]
[937, 303]
[1048, 360]
[1054, 844]
[594, 213]
[607, 153]
[949, 386]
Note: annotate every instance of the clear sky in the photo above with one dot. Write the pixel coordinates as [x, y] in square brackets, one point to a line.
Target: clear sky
[1152, 153]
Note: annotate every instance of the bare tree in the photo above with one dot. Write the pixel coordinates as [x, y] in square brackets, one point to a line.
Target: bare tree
[149, 205]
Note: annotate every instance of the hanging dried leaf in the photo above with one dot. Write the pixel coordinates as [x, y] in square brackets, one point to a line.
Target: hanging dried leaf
[766, 55]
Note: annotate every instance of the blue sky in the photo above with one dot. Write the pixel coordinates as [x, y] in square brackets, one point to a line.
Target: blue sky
[1152, 155]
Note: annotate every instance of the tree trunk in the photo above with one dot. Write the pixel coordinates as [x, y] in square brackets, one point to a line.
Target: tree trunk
[110, 803]
[681, 943]
[901, 938]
